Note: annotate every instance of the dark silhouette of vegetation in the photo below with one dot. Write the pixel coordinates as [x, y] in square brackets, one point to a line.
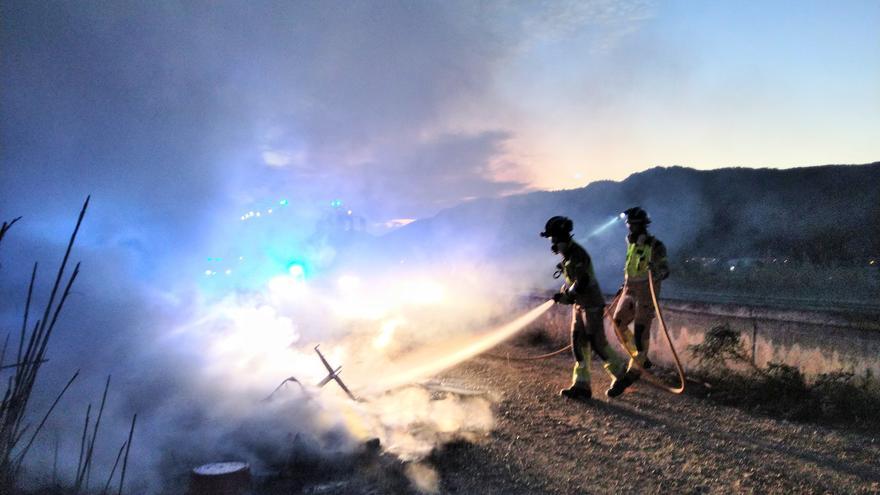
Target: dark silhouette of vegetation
[28, 361]
[720, 347]
[779, 389]
[33, 343]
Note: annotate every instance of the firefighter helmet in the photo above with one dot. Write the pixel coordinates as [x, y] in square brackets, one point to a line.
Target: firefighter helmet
[636, 215]
[557, 227]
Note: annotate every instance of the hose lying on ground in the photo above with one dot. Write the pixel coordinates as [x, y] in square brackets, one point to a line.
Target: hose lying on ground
[530, 358]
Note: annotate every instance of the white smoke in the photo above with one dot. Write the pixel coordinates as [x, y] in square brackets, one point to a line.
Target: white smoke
[199, 379]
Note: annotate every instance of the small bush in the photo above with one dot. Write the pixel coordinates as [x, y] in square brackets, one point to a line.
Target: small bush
[780, 389]
[720, 346]
[846, 396]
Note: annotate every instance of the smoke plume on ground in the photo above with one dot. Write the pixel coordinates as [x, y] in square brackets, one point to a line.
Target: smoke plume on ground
[200, 369]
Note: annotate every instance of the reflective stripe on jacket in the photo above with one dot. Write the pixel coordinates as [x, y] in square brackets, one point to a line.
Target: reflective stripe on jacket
[647, 250]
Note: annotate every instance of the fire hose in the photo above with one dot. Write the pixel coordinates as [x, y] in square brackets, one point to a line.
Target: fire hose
[647, 375]
[653, 380]
[530, 358]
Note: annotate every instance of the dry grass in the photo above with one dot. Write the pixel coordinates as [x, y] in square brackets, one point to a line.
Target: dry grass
[29, 358]
[17, 434]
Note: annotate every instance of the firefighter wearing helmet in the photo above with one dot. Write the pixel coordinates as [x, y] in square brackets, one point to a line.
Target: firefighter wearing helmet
[581, 290]
[643, 253]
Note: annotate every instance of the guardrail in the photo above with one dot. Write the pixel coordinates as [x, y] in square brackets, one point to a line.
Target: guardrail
[776, 301]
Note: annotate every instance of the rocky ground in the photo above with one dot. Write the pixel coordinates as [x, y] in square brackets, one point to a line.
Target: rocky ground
[647, 441]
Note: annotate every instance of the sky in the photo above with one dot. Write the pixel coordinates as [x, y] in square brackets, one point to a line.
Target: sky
[403, 108]
[180, 118]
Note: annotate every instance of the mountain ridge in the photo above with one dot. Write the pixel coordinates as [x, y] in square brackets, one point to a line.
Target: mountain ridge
[820, 214]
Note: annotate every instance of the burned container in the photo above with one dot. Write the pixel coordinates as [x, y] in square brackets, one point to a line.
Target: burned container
[221, 478]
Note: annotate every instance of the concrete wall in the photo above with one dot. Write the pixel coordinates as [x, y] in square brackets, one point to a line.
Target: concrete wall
[813, 341]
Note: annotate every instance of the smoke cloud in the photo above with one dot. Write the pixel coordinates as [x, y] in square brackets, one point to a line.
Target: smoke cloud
[198, 364]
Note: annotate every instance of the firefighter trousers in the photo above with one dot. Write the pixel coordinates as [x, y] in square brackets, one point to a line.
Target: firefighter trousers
[588, 333]
[635, 306]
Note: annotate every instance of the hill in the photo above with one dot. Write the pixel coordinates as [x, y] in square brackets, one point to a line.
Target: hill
[814, 218]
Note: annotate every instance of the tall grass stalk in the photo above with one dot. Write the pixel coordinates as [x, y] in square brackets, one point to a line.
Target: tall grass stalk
[29, 359]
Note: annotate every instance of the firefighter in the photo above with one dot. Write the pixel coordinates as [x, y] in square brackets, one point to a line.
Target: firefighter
[643, 252]
[581, 290]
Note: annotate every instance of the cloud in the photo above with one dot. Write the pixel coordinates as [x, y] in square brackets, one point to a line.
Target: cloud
[398, 222]
[606, 21]
[176, 103]
[427, 176]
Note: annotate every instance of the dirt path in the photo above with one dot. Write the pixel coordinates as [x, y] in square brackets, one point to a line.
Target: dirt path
[647, 441]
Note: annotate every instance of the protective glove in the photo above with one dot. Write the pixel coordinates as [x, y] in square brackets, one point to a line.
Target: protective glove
[562, 298]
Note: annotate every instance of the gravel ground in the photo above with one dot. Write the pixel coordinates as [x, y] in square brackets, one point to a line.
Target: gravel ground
[646, 441]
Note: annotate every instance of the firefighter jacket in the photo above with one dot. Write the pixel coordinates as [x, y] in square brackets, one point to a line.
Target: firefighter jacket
[643, 253]
[577, 267]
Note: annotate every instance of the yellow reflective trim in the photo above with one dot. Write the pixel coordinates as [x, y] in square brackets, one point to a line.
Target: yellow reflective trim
[637, 258]
[615, 366]
[581, 373]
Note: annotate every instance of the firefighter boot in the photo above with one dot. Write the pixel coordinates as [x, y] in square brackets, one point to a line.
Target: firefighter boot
[580, 387]
[618, 385]
[576, 392]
